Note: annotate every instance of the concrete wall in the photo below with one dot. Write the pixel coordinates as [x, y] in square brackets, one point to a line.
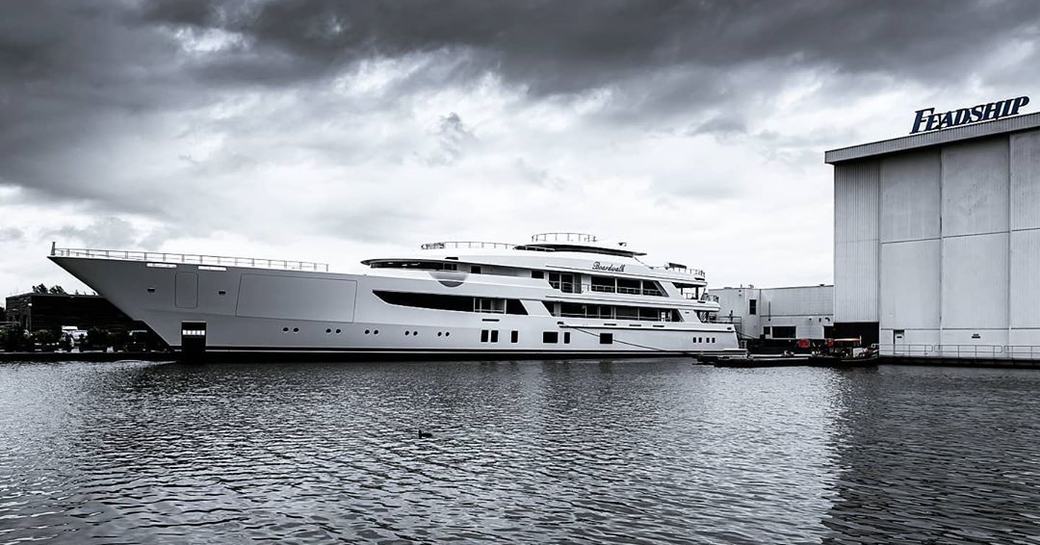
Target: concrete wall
[807, 308]
[957, 245]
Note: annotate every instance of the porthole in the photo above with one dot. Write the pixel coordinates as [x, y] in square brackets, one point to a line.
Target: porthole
[295, 330]
[367, 331]
[338, 331]
[407, 333]
[222, 292]
[151, 290]
[285, 329]
[446, 333]
[439, 333]
[327, 331]
[414, 333]
[375, 332]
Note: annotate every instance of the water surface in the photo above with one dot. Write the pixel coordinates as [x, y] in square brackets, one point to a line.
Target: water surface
[637, 451]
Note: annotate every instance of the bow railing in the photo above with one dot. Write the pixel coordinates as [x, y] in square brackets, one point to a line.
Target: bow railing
[191, 259]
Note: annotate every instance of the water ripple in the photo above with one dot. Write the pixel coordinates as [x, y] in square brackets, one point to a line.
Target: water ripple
[654, 451]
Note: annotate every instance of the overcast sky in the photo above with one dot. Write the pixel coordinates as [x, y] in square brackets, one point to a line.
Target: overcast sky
[336, 131]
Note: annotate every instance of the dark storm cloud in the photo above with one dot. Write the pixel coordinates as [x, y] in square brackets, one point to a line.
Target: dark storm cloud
[73, 76]
[561, 47]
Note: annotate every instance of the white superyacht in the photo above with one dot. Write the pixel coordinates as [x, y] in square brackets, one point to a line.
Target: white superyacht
[561, 294]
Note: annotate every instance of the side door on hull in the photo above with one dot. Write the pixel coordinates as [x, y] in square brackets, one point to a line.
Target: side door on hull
[186, 290]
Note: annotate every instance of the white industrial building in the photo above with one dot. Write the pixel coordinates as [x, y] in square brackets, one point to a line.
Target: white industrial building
[937, 241]
[801, 312]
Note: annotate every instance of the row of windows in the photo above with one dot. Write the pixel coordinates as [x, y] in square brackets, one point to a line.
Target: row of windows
[568, 283]
[328, 330]
[459, 303]
[491, 336]
[488, 305]
[337, 331]
[548, 337]
[631, 286]
[420, 265]
[553, 337]
[612, 312]
[426, 266]
[565, 282]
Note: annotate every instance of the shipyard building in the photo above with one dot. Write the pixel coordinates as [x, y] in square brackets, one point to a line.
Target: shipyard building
[937, 241]
[51, 312]
[788, 313]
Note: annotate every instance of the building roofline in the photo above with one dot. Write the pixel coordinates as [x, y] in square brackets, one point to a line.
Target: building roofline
[923, 140]
[775, 288]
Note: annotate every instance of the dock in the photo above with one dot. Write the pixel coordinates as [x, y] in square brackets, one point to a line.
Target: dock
[803, 360]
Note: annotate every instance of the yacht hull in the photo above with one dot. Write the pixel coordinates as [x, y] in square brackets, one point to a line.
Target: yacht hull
[246, 311]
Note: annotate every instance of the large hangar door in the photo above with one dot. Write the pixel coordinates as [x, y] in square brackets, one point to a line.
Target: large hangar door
[186, 290]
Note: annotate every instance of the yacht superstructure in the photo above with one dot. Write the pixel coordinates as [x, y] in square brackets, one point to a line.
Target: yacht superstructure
[559, 294]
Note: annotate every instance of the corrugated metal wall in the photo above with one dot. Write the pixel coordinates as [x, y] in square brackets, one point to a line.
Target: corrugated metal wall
[975, 192]
[1025, 180]
[856, 241]
[910, 285]
[958, 235]
[1025, 239]
[910, 196]
[975, 187]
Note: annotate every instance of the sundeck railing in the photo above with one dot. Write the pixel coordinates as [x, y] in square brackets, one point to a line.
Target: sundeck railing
[192, 259]
[696, 273]
[563, 237]
[443, 245]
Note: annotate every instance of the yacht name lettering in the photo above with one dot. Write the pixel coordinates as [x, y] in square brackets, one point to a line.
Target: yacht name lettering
[608, 267]
[928, 120]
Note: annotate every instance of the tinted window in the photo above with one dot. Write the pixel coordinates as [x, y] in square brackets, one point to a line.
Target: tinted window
[450, 302]
[550, 337]
[606, 338]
